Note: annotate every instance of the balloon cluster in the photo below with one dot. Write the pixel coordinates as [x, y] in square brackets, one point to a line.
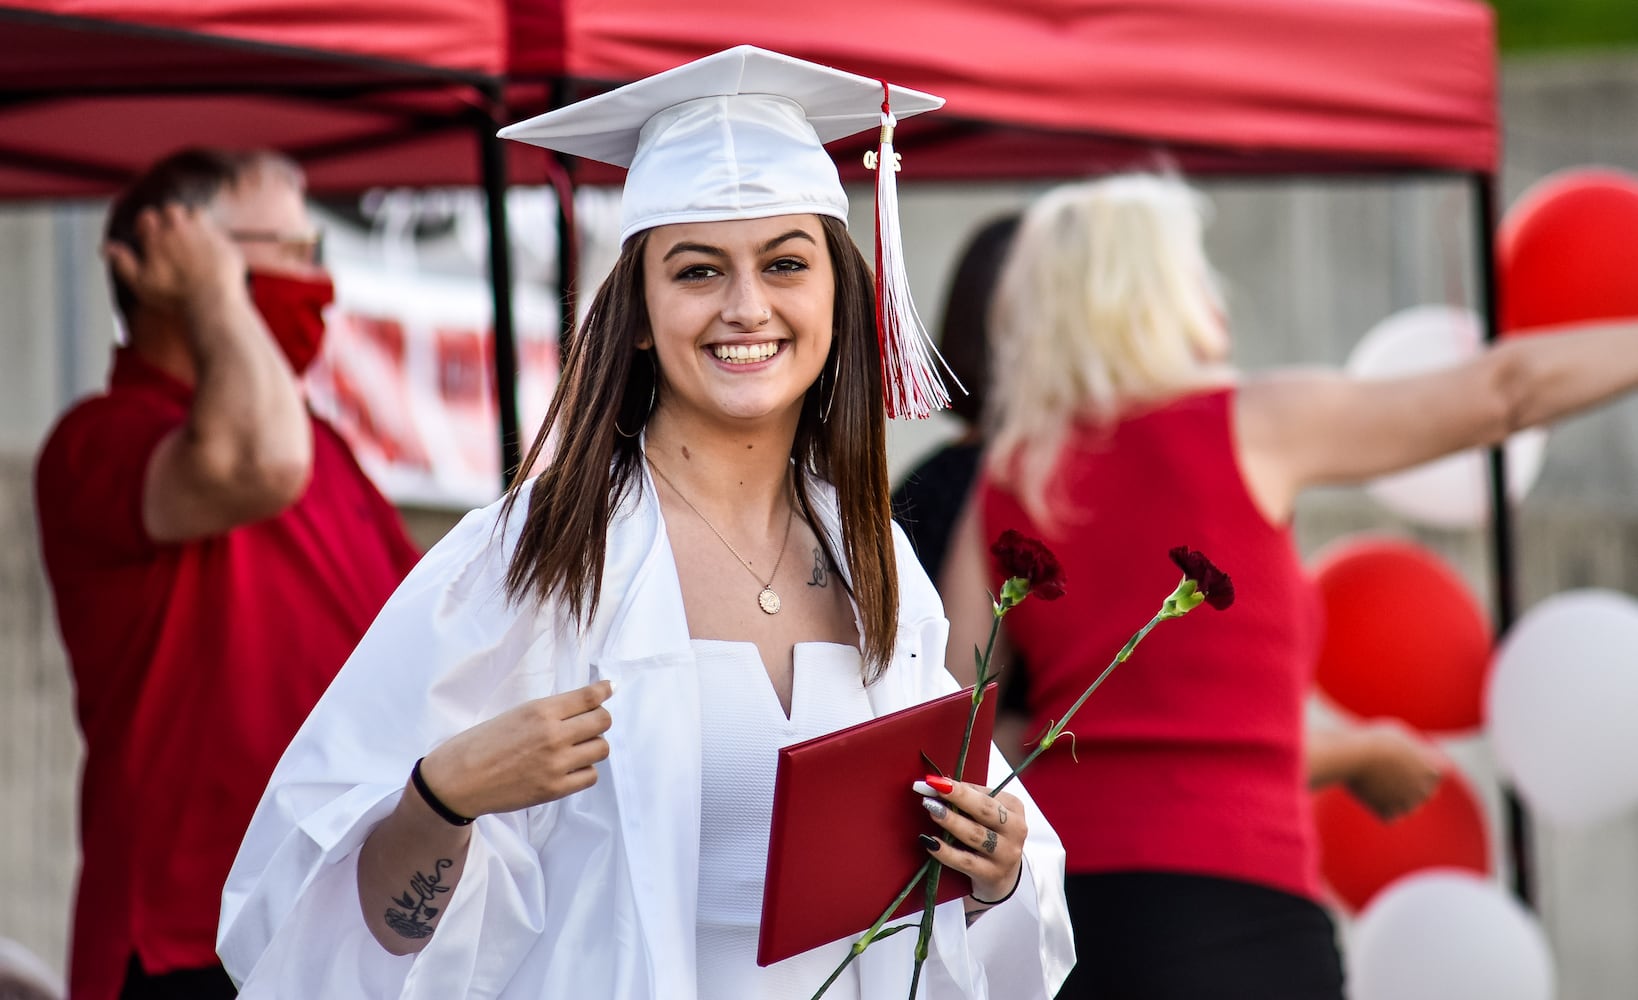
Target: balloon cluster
[1564, 684]
[1405, 639]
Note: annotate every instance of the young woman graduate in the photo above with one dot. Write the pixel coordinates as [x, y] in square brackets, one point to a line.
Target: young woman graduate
[547, 770]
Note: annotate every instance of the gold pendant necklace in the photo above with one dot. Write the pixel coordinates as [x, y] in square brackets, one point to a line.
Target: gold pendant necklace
[767, 600]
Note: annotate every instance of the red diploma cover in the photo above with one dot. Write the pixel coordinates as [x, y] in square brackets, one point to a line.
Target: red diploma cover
[856, 781]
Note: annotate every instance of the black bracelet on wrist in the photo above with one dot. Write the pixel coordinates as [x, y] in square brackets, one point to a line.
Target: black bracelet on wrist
[1015, 884]
[447, 814]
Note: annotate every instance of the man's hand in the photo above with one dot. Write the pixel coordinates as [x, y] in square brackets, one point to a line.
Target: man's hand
[186, 261]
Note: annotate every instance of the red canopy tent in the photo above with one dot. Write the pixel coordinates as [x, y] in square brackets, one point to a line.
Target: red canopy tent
[386, 92]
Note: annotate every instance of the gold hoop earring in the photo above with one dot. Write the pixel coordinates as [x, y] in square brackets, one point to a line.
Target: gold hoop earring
[835, 376]
[653, 387]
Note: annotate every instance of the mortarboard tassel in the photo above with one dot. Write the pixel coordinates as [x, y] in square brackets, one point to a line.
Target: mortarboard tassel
[910, 361]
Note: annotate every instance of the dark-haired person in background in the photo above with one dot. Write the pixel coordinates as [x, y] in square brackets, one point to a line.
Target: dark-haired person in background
[929, 502]
[214, 551]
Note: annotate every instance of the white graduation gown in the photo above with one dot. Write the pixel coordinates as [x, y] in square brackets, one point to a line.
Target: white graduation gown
[592, 895]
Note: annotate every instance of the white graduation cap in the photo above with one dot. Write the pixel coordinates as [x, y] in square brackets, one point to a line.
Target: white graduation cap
[740, 135]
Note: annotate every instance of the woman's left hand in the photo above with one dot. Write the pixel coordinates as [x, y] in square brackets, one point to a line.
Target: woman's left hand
[989, 834]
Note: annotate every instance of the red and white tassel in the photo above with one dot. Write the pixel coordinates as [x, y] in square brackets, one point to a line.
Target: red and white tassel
[910, 360]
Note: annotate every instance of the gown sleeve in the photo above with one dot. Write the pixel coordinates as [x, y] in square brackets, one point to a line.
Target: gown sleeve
[447, 651]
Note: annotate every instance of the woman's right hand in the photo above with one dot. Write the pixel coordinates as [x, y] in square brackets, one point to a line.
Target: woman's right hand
[1398, 771]
[538, 752]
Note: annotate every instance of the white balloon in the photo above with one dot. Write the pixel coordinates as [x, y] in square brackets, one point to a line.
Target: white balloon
[1447, 935]
[1454, 491]
[1561, 703]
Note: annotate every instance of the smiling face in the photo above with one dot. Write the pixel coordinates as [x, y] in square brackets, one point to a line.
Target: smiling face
[740, 315]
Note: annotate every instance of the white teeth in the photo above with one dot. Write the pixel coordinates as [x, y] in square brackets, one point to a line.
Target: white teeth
[745, 354]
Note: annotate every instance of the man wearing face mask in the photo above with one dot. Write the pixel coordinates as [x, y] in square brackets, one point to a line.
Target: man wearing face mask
[214, 551]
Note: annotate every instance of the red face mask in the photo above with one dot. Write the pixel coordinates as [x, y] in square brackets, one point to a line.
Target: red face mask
[293, 309]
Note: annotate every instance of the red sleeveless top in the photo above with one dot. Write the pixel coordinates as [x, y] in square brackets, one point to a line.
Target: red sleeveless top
[1190, 754]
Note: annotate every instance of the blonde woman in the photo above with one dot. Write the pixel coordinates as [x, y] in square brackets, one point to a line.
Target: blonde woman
[1120, 430]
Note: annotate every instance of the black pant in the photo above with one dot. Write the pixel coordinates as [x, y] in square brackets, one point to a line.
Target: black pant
[210, 983]
[1163, 936]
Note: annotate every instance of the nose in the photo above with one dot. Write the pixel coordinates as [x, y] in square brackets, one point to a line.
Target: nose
[746, 305]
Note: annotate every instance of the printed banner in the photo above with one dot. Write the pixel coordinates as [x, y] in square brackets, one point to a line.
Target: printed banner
[407, 376]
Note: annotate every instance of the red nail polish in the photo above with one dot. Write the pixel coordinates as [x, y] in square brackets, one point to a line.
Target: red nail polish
[943, 786]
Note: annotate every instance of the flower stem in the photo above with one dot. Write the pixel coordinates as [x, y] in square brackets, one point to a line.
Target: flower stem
[928, 873]
[924, 932]
[875, 929]
[1056, 728]
[978, 691]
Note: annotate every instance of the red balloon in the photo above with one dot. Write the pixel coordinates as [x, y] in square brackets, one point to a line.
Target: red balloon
[1360, 854]
[1403, 636]
[1565, 251]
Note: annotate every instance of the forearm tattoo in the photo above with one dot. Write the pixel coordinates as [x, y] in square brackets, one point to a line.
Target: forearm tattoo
[821, 573]
[416, 917]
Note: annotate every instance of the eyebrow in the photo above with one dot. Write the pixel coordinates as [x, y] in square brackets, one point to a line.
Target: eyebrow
[711, 251]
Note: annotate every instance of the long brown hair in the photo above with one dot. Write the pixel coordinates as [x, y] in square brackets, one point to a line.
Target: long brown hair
[841, 438]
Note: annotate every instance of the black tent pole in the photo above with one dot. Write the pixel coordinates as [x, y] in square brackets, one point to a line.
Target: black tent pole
[1519, 838]
[493, 156]
[568, 237]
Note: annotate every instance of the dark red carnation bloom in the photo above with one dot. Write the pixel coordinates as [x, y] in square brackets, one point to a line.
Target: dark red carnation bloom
[1028, 558]
[1212, 582]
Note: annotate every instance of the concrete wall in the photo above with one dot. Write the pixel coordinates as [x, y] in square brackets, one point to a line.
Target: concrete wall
[1310, 266]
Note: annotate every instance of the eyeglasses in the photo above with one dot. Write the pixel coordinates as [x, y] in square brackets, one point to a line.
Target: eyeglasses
[302, 248]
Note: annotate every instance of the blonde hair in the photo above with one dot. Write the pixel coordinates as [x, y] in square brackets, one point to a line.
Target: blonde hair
[1106, 301]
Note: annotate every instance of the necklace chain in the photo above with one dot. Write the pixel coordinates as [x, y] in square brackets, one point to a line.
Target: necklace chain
[767, 600]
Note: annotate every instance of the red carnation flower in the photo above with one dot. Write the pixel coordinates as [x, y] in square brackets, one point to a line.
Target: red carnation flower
[1213, 583]
[1029, 560]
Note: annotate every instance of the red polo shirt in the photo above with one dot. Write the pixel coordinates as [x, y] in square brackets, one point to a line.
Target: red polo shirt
[194, 664]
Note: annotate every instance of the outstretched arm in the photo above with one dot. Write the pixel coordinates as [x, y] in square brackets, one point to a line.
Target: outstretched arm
[1302, 428]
